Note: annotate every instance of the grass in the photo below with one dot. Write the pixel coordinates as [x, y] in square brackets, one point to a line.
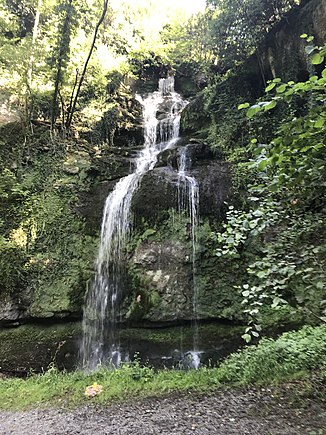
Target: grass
[293, 355]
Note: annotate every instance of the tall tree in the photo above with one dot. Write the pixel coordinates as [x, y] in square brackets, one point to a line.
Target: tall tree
[63, 53]
[29, 75]
[72, 108]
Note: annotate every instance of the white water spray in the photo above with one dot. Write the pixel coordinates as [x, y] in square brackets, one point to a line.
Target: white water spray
[100, 344]
[188, 202]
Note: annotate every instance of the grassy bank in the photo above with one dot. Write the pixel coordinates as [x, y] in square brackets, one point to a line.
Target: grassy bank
[293, 355]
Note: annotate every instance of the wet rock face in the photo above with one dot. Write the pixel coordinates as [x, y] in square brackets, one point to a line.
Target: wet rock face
[160, 267]
[10, 310]
[156, 195]
[166, 268]
[214, 181]
[163, 261]
[158, 191]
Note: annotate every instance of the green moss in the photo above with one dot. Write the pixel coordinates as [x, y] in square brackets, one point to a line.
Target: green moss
[36, 333]
[51, 298]
[34, 347]
[210, 334]
[12, 270]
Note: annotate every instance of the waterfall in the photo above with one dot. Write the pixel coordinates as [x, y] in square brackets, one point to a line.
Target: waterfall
[188, 201]
[100, 343]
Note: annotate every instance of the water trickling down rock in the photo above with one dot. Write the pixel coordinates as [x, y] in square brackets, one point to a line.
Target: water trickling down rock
[100, 343]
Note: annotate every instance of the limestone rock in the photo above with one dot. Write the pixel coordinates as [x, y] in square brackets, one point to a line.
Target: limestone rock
[168, 274]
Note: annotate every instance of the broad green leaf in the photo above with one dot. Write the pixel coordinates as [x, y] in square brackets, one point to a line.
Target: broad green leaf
[324, 73]
[262, 164]
[270, 105]
[258, 213]
[261, 274]
[317, 59]
[253, 110]
[281, 89]
[270, 87]
[310, 38]
[303, 36]
[243, 106]
[246, 337]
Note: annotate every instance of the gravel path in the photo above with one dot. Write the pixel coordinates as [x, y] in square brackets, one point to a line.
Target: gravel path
[238, 412]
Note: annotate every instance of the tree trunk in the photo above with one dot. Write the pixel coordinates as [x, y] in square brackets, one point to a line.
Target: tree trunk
[82, 77]
[62, 53]
[29, 75]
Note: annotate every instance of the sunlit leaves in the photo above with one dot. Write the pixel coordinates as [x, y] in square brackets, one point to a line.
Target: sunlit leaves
[317, 59]
[270, 87]
[243, 106]
[281, 89]
[290, 171]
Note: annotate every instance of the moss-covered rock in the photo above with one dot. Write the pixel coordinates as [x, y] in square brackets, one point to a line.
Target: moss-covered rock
[30, 348]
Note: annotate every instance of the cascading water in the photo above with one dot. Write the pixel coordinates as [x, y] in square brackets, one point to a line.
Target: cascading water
[100, 344]
[188, 202]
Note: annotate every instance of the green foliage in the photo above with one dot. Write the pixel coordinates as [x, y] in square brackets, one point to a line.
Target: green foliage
[238, 27]
[293, 162]
[189, 40]
[62, 255]
[44, 246]
[12, 267]
[279, 232]
[274, 360]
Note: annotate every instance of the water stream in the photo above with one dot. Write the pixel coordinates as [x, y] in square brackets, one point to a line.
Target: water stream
[188, 202]
[100, 343]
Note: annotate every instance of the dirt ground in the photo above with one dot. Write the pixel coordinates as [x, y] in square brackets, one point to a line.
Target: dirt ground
[261, 411]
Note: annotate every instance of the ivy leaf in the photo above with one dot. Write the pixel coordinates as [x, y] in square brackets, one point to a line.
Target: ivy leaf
[261, 274]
